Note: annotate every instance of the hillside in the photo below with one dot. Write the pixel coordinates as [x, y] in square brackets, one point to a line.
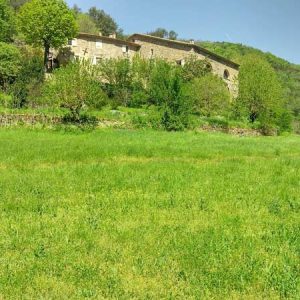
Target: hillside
[288, 73]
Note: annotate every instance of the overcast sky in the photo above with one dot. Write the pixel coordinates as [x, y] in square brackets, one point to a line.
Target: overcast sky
[270, 25]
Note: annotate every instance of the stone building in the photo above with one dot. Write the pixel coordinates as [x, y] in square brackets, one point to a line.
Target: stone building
[97, 47]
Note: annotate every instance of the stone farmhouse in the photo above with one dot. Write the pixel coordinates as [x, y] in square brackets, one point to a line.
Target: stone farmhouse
[98, 47]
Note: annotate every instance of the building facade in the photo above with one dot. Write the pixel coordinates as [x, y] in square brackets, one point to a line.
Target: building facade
[97, 47]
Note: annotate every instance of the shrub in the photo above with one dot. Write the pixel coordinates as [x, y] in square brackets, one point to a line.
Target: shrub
[9, 64]
[75, 87]
[117, 75]
[126, 81]
[27, 86]
[195, 68]
[209, 95]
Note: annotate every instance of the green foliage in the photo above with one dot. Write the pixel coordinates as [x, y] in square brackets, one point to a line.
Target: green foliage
[260, 93]
[164, 33]
[9, 63]
[7, 22]
[27, 86]
[209, 95]
[86, 24]
[47, 24]
[75, 87]
[165, 89]
[195, 68]
[117, 75]
[104, 22]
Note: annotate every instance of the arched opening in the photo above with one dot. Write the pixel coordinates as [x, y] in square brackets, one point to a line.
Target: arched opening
[226, 74]
[208, 67]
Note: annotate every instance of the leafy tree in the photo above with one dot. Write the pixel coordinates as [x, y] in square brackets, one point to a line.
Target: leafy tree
[86, 24]
[164, 33]
[104, 22]
[7, 22]
[260, 93]
[209, 95]
[173, 35]
[9, 63]
[160, 32]
[47, 23]
[74, 87]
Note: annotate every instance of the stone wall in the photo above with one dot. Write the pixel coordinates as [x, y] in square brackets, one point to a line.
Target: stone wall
[17, 119]
[95, 48]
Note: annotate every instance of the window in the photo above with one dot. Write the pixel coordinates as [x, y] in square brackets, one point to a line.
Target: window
[99, 44]
[226, 74]
[73, 42]
[98, 60]
[125, 49]
[180, 62]
[152, 52]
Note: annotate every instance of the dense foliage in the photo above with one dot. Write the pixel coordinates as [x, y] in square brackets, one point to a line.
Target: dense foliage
[74, 87]
[7, 22]
[9, 63]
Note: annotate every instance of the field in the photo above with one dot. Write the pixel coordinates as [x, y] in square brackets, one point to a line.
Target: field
[120, 214]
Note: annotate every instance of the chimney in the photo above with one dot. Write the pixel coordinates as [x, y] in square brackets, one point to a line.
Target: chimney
[100, 33]
[192, 41]
[113, 35]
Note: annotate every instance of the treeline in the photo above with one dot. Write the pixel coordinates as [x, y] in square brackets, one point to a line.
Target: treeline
[175, 96]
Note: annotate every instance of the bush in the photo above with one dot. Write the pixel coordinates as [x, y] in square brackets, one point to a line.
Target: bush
[27, 86]
[126, 81]
[195, 68]
[117, 75]
[9, 64]
[209, 96]
[75, 87]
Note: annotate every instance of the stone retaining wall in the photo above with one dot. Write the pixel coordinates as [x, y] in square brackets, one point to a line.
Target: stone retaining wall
[16, 119]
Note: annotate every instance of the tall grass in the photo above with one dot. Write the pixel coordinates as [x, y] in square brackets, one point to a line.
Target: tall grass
[148, 215]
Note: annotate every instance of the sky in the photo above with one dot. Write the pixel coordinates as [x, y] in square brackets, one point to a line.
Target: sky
[269, 25]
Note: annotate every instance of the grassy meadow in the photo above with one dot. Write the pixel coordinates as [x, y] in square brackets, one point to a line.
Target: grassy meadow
[120, 214]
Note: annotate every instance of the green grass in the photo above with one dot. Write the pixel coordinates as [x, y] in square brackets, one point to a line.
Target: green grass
[116, 214]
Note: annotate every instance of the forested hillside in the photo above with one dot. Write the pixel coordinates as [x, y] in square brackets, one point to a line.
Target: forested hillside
[288, 73]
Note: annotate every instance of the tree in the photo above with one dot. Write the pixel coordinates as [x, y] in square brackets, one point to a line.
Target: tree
[164, 33]
[47, 23]
[104, 22]
[173, 35]
[7, 22]
[260, 93]
[86, 24]
[75, 87]
[209, 95]
[9, 63]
